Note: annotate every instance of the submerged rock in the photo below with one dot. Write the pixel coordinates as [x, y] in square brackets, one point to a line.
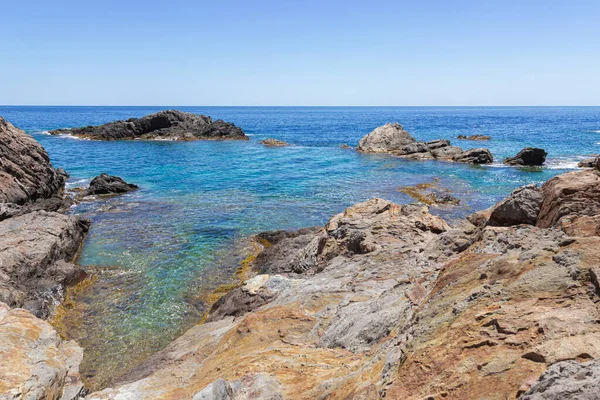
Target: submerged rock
[474, 137]
[393, 139]
[168, 125]
[385, 139]
[34, 362]
[270, 142]
[26, 174]
[105, 184]
[430, 193]
[529, 156]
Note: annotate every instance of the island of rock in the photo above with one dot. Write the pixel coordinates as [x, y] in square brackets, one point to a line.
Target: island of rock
[163, 125]
[393, 139]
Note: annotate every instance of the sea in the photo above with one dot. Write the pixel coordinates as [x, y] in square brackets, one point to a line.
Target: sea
[157, 252]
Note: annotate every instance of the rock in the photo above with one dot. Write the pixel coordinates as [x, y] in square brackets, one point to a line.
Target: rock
[475, 156]
[521, 207]
[529, 156]
[572, 203]
[345, 146]
[26, 174]
[105, 184]
[260, 386]
[385, 139]
[587, 163]
[33, 248]
[598, 163]
[168, 124]
[36, 363]
[430, 193]
[436, 144]
[270, 142]
[567, 380]
[473, 137]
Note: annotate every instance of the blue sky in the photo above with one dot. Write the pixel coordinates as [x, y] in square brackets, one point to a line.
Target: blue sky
[181, 52]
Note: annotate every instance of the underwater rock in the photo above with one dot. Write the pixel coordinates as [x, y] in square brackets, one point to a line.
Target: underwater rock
[167, 125]
[105, 184]
[270, 142]
[26, 174]
[529, 156]
[430, 193]
[473, 137]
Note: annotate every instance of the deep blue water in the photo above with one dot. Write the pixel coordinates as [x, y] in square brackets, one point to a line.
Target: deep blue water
[174, 238]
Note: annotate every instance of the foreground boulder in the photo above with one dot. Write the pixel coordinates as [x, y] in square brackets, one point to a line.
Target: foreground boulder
[270, 142]
[35, 260]
[393, 139]
[26, 174]
[34, 362]
[529, 156]
[105, 184]
[168, 125]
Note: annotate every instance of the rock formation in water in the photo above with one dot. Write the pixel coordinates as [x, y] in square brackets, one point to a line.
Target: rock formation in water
[105, 184]
[389, 300]
[270, 142]
[473, 137]
[166, 125]
[393, 139]
[529, 156]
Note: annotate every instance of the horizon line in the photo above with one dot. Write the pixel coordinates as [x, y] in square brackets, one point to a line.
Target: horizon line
[273, 106]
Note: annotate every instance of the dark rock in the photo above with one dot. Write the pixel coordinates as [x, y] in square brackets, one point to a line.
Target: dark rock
[446, 153]
[529, 156]
[417, 147]
[26, 174]
[474, 137]
[587, 163]
[105, 184]
[567, 380]
[436, 144]
[521, 207]
[168, 124]
[475, 156]
[270, 142]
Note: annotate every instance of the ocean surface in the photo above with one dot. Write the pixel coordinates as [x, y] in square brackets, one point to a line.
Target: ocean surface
[159, 250]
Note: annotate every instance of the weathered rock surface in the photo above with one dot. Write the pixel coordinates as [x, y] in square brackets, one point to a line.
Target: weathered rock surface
[105, 184]
[26, 174]
[521, 207]
[393, 139]
[389, 300]
[168, 124]
[567, 380]
[529, 156]
[35, 254]
[34, 362]
[385, 139]
[572, 203]
[270, 142]
[473, 137]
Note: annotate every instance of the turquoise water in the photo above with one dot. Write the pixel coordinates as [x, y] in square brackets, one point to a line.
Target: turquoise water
[157, 249]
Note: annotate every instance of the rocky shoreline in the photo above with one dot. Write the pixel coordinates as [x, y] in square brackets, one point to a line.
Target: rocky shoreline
[385, 300]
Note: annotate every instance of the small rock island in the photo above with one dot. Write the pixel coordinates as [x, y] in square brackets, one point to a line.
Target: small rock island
[163, 125]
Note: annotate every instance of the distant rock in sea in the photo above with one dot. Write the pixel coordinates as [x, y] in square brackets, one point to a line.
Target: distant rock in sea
[163, 125]
[473, 137]
[105, 184]
[393, 139]
[270, 142]
[529, 156]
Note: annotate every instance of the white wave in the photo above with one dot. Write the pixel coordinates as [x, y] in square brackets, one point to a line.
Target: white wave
[77, 183]
[68, 136]
[597, 131]
[42, 133]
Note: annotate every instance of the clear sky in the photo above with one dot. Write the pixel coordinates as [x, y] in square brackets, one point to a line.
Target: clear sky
[278, 52]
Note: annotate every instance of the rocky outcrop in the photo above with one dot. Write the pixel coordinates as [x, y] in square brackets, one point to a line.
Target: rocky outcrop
[529, 156]
[385, 139]
[473, 137]
[475, 156]
[105, 184]
[389, 301]
[567, 380]
[393, 139]
[36, 251]
[34, 362]
[26, 174]
[167, 125]
[270, 142]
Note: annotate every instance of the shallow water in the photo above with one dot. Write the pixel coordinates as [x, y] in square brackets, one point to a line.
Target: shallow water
[159, 249]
